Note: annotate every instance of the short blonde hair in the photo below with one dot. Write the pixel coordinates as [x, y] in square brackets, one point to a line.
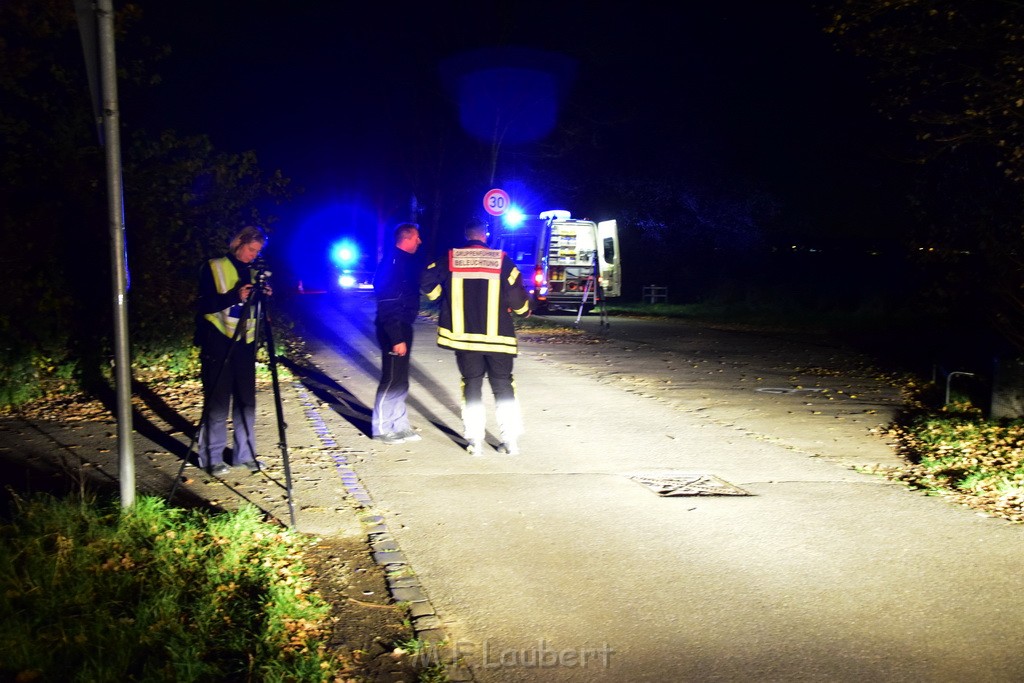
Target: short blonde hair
[250, 233]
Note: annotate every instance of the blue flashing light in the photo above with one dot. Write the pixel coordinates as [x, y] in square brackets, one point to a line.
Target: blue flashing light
[347, 281]
[345, 253]
[514, 217]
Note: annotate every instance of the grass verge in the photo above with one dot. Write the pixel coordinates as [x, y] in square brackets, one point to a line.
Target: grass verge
[92, 593]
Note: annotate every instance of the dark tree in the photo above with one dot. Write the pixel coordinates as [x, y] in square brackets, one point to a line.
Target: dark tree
[955, 71]
[182, 199]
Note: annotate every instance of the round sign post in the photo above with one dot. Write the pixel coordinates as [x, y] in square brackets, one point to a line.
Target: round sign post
[496, 202]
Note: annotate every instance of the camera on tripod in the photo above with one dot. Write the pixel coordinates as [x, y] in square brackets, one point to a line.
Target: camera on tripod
[260, 275]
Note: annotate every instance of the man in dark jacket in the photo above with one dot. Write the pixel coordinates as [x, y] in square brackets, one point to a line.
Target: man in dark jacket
[480, 288]
[396, 286]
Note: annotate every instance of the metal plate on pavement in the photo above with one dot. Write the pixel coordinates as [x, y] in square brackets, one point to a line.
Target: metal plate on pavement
[673, 484]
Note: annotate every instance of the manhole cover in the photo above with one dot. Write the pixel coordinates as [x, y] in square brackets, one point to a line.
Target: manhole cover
[789, 390]
[686, 484]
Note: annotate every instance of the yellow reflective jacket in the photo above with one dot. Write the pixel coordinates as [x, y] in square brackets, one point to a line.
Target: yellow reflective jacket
[226, 279]
[479, 288]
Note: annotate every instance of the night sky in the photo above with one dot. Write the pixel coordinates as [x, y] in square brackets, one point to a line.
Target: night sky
[328, 91]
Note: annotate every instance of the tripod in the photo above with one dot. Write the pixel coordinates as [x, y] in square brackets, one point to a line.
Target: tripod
[594, 286]
[256, 307]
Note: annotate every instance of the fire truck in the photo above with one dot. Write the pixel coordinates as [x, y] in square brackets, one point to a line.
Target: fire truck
[567, 264]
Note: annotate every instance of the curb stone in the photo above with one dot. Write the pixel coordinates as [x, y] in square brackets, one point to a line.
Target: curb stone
[403, 586]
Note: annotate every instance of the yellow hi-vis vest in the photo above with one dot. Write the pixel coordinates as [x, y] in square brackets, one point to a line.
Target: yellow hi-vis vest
[482, 286]
[225, 277]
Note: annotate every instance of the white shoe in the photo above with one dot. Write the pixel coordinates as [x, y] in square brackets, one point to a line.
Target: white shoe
[508, 448]
[409, 435]
[475, 448]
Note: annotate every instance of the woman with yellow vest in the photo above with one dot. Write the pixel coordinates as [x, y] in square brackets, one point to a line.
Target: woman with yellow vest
[226, 336]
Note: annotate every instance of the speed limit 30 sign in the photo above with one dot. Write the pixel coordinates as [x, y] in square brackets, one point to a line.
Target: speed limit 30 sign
[496, 202]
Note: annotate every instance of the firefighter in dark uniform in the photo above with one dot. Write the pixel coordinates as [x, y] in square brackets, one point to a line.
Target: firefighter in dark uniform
[226, 336]
[479, 288]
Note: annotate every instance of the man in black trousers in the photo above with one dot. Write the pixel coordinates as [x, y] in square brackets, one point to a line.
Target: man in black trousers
[479, 289]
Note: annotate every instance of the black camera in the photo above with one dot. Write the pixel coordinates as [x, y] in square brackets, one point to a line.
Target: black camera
[260, 272]
[260, 277]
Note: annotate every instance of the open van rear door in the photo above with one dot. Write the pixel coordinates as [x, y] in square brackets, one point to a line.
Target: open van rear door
[608, 258]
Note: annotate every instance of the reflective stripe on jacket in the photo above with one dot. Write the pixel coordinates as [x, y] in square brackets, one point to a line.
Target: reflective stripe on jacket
[225, 278]
[479, 287]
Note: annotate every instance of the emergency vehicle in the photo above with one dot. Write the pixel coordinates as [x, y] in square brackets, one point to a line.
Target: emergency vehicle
[565, 262]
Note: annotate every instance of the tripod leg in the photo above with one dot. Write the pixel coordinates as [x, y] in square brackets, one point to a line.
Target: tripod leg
[281, 426]
[184, 461]
[583, 302]
[604, 309]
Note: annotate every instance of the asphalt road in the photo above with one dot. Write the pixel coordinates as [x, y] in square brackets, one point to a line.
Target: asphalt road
[565, 564]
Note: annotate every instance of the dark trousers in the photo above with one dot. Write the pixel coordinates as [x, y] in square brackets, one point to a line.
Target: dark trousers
[497, 367]
[229, 386]
[389, 412]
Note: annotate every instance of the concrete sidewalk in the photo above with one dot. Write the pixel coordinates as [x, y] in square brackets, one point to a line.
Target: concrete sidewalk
[560, 565]
[78, 444]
